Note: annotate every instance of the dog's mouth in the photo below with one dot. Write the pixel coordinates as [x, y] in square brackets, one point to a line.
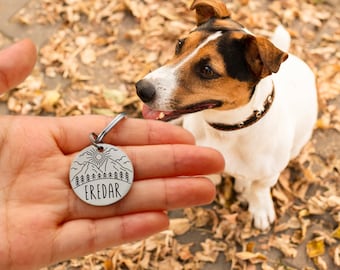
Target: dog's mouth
[149, 113]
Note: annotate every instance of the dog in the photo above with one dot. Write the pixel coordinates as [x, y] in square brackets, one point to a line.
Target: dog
[241, 94]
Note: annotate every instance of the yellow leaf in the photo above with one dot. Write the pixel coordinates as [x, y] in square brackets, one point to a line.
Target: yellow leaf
[336, 233]
[315, 247]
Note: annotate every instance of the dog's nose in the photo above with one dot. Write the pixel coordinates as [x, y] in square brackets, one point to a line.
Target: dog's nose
[145, 90]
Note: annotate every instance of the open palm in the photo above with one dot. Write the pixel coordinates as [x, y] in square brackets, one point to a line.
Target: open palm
[42, 220]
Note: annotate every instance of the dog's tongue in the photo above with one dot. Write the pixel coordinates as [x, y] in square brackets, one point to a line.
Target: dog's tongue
[148, 113]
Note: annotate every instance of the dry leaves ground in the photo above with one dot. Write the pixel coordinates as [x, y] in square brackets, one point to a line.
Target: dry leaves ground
[100, 48]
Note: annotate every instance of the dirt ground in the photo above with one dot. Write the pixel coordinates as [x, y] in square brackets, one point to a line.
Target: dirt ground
[90, 55]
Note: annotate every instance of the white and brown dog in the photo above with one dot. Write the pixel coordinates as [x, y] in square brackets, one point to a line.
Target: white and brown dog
[239, 94]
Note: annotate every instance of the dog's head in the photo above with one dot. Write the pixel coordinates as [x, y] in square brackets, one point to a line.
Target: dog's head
[217, 66]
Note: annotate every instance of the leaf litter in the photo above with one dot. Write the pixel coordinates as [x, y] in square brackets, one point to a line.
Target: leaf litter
[90, 64]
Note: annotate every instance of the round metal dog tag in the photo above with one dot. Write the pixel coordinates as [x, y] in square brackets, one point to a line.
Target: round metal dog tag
[101, 174]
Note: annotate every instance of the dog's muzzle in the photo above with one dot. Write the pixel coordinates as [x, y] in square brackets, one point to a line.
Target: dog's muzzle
[146, 91]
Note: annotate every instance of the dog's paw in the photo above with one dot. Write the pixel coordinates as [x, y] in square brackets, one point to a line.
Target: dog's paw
[262, 209]
[262, 217]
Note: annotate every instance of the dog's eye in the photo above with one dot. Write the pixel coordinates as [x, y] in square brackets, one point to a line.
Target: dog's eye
[179, 45]
[206, 72]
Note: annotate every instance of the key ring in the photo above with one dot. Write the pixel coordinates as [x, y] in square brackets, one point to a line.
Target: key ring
[97, 139]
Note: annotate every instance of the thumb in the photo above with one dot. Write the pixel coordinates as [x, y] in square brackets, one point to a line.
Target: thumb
[16, 63]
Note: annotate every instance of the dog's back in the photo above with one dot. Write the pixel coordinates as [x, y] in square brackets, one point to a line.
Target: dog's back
[296, 87]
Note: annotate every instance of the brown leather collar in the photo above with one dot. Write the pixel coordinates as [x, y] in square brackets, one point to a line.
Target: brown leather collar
[252, 119]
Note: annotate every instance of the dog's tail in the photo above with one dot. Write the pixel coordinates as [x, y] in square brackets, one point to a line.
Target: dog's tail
[281, 38]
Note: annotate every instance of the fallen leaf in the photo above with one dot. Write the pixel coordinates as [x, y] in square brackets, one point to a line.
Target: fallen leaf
[254, 258]
[320, 263]
[315, 247]
[336, 232]
[50, 100]
[180, 225]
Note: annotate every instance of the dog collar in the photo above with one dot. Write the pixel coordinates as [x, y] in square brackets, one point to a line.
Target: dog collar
[252, 119]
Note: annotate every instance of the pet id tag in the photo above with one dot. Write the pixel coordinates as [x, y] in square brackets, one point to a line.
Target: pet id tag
[101, 174]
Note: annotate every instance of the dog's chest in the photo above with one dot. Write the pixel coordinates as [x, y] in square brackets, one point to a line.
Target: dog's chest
[247, 152]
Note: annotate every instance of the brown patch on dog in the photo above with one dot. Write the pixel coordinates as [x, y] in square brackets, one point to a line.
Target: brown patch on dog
[206, 9]
[238, 35]
[226, 24]
[263, 57]
[192, 89]
[189, 45]
[232, 93]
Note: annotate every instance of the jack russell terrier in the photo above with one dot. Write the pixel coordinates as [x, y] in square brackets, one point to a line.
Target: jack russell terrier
[240, 94]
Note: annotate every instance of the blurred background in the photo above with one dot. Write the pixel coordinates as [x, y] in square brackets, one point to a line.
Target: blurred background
[92, 52]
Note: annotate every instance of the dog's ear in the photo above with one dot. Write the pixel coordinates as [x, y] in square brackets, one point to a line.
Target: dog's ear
[263, 57]
[206, 9]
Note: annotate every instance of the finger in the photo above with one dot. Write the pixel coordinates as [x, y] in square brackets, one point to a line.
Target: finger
[72, 133]
[174, 160]
[81, 237]
[151, 195]
[16, 63]
[166, 160]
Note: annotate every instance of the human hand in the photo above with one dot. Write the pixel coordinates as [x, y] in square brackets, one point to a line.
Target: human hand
[41, 219]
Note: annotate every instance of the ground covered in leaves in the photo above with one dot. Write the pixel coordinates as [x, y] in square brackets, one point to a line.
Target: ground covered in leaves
[100, 48]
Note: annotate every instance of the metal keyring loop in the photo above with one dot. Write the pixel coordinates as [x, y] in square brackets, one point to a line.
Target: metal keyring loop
[96, 139]
[106, 130]
[93, 138]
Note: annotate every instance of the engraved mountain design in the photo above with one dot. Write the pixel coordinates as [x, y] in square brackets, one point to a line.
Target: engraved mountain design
[92, 165]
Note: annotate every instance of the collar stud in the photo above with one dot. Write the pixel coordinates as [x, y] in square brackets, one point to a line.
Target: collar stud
[252, 119]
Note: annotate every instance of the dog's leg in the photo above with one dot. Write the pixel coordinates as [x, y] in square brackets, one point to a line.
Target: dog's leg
[261, 208]
[260, 202]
